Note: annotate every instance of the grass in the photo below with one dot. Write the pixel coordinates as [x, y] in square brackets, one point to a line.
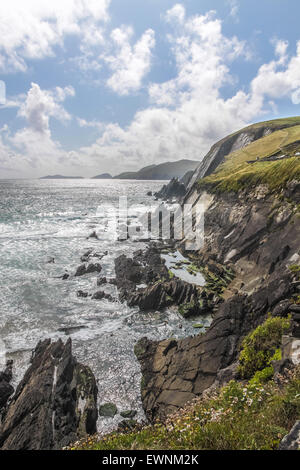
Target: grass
[253, 415]
[240, 416]
[260, 347]
[236, 173]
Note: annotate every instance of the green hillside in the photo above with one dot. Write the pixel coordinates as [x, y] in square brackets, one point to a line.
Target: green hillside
[272, 160]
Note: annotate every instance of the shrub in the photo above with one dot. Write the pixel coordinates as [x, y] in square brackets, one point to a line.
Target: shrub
[259, 346]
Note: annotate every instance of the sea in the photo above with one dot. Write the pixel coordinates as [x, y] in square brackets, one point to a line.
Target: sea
[44, 230]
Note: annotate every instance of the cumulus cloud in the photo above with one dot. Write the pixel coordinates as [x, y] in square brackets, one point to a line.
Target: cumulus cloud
[130, 64]
[32, 148]
[31, 29]
[186, 114]
[40, 105]
[279, 78]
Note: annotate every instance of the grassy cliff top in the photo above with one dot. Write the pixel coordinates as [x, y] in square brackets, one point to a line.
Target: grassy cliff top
[272, 160]
[240, 417]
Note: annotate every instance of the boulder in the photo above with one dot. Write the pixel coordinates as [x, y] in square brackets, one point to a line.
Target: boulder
[292, 440]
[82, 294]
[93, 235]
[54, 404]
[88, 269]
[108, 410]
[101, 280]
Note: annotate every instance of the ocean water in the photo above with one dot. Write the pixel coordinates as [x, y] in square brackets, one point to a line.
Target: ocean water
[43, 219]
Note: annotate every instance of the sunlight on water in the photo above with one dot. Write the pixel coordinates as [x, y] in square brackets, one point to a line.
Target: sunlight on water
[41, 220]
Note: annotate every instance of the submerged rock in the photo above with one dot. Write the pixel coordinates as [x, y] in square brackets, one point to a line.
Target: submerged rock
[82, 294]
[101, 295]
[54, 404]
[93, 235]
[108, 410]
[88, 269]
[128, 414]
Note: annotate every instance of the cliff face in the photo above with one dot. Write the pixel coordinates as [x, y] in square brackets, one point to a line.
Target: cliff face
[235, 142]
[255, 231]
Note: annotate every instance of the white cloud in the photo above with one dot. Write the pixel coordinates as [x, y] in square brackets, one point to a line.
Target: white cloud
[130, 64]
[279, 78]
[40, 105]
[186, 115]
[234, 8]
[31, 29]
[32, 148]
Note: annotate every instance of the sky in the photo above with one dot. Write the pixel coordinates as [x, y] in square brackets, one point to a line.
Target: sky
[95, 86]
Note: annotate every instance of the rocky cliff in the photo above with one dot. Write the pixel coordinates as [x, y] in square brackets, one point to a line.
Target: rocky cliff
[54, 404]
[252, 226]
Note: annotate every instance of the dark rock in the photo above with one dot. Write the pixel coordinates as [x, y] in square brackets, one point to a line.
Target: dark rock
[128, 414]
[82, 294]
[55, 403]
[91, 254]
[161, 291]
[93, 235]
[81, 270]
[84, 258]
[65, 276]
[292, 440]
[295, 308]
[101, 281]
[175, 372]
[282, 308]
[68, 330]
[6, 389]
[108, 410]
[149, 193]
[88, 269]
[128, 425]
[174, 189]
[100, 295]
[93, 268]
[51, 260]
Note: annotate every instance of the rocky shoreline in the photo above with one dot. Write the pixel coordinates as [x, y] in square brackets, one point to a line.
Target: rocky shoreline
[251, 265]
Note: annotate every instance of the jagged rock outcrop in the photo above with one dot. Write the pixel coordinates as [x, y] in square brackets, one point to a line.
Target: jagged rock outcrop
[144, 281]
[53, 405]
[6, 389]
[176, 372]
[257, 234]
[174, 189]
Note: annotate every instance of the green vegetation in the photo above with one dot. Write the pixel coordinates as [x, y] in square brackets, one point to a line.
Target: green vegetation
[260, 347]
[171, 274]
[240, 416]
[295, 268]
[247, 168]
[188, 309]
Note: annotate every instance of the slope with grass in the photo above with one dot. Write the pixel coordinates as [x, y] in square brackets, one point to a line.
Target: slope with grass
[273, 160]
[236, 141]
[252, 227]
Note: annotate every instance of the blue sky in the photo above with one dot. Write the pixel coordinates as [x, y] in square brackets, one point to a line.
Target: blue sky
[98, 86]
